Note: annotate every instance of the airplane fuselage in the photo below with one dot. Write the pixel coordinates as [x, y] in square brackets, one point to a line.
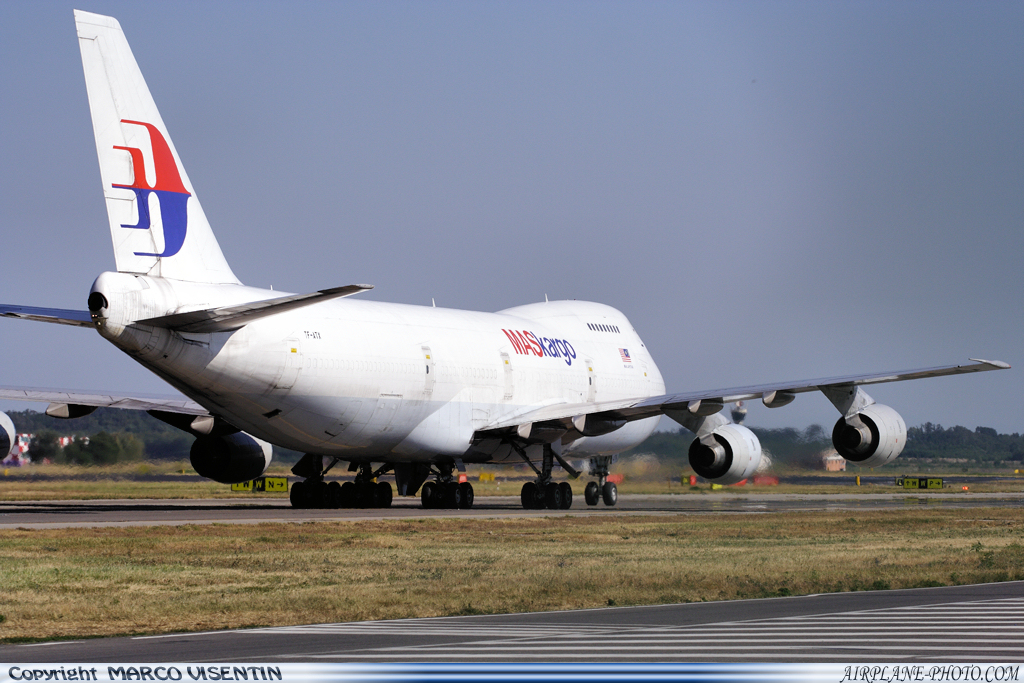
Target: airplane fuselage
[365, 380]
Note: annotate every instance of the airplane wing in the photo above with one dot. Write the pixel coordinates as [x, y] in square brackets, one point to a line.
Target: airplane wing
[710, 402]
[71, 399]
[61, 316]
[230, 318]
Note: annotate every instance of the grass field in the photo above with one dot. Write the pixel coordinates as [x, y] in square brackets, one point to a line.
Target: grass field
[93, 582]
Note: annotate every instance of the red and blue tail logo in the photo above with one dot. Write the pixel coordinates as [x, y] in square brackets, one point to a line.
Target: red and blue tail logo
[170, 191]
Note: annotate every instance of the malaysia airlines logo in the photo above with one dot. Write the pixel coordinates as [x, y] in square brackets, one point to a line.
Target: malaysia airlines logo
[527, 343]
[169, 190]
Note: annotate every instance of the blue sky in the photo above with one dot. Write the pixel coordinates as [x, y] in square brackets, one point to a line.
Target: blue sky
[770, 191]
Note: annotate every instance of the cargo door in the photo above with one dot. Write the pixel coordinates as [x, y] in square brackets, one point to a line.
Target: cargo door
[506, 365]
[428, 382]
[591, 381]
[291, 365]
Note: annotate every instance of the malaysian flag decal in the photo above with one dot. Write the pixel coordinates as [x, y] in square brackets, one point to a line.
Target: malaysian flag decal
[625, 355]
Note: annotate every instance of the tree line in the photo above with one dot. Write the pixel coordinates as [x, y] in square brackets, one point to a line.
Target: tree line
[118, 435]
[802, 448]
[113, 436]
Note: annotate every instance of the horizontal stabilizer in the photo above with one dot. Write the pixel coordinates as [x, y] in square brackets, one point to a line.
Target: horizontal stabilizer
[67, 403]
[233, 317]
[61, 316]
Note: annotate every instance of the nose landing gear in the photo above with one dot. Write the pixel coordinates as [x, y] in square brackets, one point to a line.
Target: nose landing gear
[601, 489]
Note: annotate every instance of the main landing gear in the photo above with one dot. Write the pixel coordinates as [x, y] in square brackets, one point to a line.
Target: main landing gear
[447, 492]
[544, 493]
[552, 495]
[601, 489]
[364, 492]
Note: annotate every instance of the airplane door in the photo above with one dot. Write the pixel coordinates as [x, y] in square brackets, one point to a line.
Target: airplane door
[506, 363]
[591, 381]
[291, 366]
[428, 382]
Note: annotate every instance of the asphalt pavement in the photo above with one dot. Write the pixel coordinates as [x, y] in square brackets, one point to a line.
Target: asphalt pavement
[983, 623]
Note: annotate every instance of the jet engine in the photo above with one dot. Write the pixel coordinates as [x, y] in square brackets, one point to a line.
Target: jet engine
[729, 454]
[872, 437]
[6, 435]
[230, 459]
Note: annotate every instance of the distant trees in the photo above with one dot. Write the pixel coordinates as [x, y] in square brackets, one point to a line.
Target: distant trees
[959, 443]
[114, 435]
[802, 449]
[44, 446]
[101, 449]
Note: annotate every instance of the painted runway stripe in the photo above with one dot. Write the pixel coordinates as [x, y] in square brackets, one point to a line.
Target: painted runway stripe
[975, 629]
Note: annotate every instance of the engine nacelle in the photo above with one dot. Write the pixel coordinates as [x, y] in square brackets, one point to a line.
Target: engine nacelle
[735, 455]
[872, 437]
[6, 435]
[230, 459]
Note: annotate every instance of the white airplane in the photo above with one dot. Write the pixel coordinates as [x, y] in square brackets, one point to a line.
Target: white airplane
[417, 392]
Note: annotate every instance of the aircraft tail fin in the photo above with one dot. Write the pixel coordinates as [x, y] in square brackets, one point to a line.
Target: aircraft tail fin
[156, 222]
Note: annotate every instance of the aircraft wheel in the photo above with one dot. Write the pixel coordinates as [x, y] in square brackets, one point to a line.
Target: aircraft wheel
[610, 494]
[592, 493]
[528, 496]
[297, 495]
[368, 495]
[428, 495]
[334, 495]
[384, 494]
[453, 496]
[467, 495]
[566, 490]
[348, 495]
[323, 496]
[552, 496]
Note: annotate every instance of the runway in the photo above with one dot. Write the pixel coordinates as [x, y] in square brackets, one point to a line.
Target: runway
[950, 624]
[104, 513]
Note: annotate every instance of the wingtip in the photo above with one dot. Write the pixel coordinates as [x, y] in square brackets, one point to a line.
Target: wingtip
[994, 363]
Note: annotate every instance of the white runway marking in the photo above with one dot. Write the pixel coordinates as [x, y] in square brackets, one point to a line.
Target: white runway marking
[951, 631]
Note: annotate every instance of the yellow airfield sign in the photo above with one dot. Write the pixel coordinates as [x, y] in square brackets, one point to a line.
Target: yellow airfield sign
[263, 485]
[919, 482]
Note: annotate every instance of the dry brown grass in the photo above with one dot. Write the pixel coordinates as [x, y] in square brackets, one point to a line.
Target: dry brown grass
[89, 582]
[114, 489]
[115, 481]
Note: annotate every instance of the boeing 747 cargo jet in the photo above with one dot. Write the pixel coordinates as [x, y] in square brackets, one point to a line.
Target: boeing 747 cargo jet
[409, 391]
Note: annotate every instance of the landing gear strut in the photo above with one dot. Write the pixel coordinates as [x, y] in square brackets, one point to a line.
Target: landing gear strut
[314, 492]
[446, 492]
[602, 488]
[366, 491]
[544, 493]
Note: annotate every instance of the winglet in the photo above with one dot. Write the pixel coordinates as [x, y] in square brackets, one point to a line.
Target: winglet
[994, 363]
